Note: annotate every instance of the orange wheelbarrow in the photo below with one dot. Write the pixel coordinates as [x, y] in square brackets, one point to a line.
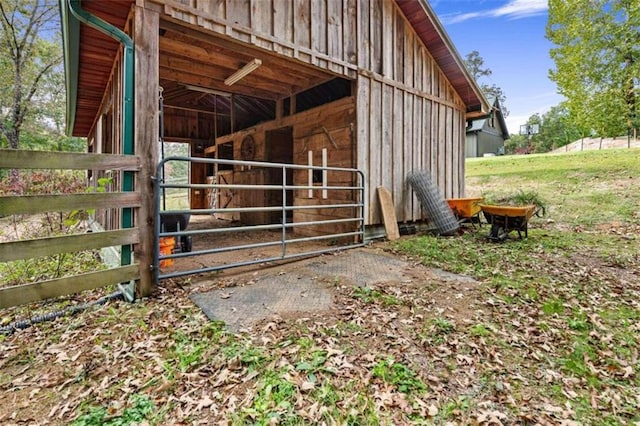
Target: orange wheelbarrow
[466, 209]
[504, 219]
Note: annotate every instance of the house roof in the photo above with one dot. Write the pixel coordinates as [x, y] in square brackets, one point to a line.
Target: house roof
[88, 65]
[479, 124]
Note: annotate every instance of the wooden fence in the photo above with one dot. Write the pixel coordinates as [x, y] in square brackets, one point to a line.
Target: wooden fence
[36, 204]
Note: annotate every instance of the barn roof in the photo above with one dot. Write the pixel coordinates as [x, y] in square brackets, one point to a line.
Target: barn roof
[88, 64]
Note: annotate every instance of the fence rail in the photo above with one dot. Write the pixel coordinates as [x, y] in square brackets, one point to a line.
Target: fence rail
[39, 247]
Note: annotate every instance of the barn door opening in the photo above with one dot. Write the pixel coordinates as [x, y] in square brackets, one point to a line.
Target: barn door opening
[280, 150]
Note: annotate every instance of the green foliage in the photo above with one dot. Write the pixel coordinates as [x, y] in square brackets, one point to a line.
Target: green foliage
[403, 377]
[475, 64]
[519, 198]
[370, 295]
[596, 49]
[274, 403]
[47, 225]
[570, 184]
[49, 267]
[43, 182]
[33, 94]
[140, 408]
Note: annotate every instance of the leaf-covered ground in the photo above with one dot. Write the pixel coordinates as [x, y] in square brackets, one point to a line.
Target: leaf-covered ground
[546, 332]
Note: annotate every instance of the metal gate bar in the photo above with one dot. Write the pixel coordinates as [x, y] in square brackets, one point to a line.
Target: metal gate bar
[357, 203]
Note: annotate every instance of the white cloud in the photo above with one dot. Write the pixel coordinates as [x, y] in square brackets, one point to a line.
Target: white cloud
[521, 8]
[514, 9]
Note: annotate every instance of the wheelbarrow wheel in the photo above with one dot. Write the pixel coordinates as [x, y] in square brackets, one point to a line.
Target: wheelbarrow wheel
[498, 233]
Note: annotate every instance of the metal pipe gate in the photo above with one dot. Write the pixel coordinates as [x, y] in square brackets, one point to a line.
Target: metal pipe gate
[357, 204]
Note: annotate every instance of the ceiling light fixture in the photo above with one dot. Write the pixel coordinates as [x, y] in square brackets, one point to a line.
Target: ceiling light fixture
[243, 72]
[206, 90]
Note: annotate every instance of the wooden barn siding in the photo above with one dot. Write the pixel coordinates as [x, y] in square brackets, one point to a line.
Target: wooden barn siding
[317, 32]
[409, 116]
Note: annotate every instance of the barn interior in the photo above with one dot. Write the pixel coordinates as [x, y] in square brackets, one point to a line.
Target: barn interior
[231, 101]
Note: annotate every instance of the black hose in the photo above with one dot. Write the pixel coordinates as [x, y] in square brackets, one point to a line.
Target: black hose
[49, 316]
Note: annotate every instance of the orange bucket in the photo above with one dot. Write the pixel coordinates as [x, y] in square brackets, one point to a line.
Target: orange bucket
[166, 247]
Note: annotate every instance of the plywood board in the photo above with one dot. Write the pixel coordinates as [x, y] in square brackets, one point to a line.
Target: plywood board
[388, 213]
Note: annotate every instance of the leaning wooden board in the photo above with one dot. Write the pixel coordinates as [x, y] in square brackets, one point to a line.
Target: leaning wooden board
[388, 213]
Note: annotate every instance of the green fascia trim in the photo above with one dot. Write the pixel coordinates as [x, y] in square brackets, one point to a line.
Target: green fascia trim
[71, 48]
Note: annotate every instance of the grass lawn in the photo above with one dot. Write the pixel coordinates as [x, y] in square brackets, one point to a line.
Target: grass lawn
[546, 332]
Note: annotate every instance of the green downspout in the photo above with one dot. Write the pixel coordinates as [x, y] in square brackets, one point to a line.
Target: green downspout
[127, 102]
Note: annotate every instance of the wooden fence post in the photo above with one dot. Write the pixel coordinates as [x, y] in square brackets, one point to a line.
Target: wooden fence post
[145, 37]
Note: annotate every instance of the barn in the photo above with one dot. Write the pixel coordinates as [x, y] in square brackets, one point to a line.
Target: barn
[373, 86]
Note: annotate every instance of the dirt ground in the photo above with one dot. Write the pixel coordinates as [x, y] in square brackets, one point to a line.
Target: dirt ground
[263, 255]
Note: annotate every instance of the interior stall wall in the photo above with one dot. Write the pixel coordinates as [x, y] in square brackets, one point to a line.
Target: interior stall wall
[409, 116]
[329, 127]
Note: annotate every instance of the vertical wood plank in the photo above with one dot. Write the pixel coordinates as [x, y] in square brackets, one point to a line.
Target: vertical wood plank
[388, 32]
[350, 31]
[462, 126]
[419, 145]
[388, 213]
[376, 36]
[455, 144]
[386, 117]
[302, 23]
[433, 140]
[363, 108]
[399, 51]
[262, 18]
[334, 31]
[319, 25]
[146, 24]
[409, 70]
[325, 181]
[442, 145]
[449, 157]
[364, 34]
[375, 147]
[397, 152]
[239, 11]
[407, 140]
[283, 20]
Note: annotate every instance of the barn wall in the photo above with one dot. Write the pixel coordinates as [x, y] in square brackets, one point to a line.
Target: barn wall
[409, 116]
[317, 32]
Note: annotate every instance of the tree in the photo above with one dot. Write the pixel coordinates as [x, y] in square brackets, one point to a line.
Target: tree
[475, 64]
[597, 58]
[26, 61]
[557, 129]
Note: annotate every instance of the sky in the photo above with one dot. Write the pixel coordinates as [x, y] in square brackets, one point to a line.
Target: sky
[510, 37]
